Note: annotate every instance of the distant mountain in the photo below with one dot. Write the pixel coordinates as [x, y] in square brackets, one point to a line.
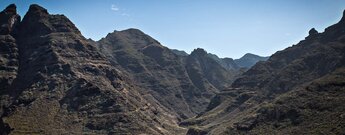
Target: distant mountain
[298, 90]
[179, 52]
[245, 62]
[249, 60]
[201, 67]
[227, 63]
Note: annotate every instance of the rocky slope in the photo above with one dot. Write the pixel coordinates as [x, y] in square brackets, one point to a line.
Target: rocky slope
[298, 90]
[180, 83]
[54, 81]
[244, 63]
[8, 57]
[203, 68]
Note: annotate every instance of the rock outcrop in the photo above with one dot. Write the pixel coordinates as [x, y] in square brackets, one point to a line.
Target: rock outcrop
[9, 20]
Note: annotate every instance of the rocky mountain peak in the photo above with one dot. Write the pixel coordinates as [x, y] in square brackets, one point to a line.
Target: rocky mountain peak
[132, 38]
[12, 9]
[9, 19]
[134, 31]
[37, 21]
[38, 10]
[199, 52]
[129, 32]
[249, 55]
[249, 59]
[313, 31]
[126, 33]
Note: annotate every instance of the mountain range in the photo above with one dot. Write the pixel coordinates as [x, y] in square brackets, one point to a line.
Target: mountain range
[55, 81]
[298, 90]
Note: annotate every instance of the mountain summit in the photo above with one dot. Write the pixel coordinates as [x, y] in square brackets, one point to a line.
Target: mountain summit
[9, 20]
[249, 60]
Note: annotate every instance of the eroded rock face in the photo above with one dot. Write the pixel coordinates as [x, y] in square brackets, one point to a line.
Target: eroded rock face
[41, 23]
[9, 58]
[249, 60]
[203, 68]
[9, 20]
[64, 85]
[8, 61]
[8, 47]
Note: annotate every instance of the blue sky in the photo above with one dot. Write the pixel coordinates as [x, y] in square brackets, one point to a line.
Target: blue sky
[228, 28]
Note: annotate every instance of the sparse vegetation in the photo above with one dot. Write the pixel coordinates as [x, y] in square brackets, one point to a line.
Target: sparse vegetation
[54, 81]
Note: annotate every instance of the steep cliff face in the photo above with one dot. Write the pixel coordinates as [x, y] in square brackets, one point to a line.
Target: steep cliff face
[203, 68]
[9, 20]
[162, 73]
[288, 94]
[64, 85]
[9, 60]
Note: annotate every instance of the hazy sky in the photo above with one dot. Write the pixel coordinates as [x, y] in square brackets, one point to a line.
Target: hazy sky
[228, 28]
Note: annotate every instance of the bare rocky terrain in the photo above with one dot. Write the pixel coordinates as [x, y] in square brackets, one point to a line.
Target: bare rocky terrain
[55, 81]
[298, 90]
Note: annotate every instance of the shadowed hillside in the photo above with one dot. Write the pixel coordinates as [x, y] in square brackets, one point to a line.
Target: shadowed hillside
[55, 81]
[296, 91]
